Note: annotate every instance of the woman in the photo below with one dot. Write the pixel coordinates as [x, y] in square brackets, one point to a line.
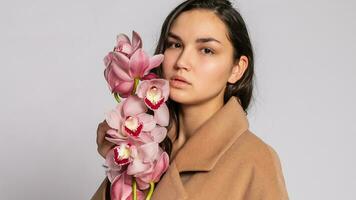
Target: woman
[209, 64]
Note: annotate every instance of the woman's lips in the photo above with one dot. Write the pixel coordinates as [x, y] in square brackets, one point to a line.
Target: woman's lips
[179, 78]
[178, 83]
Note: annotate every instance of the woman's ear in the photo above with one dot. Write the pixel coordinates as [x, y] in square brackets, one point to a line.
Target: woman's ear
[238, 70]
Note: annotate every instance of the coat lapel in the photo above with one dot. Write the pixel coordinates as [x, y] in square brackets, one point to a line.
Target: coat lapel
[170, 186]
[203, 150]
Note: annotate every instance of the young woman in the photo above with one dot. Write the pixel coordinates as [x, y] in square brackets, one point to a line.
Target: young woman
[209, 64]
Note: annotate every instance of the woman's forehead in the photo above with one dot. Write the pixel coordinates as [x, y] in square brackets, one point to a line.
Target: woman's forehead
[194, 24]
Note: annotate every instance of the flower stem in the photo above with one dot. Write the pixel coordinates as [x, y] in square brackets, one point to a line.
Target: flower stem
[117, 97]
[137, 80]
[152, 187]
[134, 188]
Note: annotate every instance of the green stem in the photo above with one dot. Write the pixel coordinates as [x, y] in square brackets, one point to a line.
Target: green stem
[134, 188]
[137, 81]
[152, 187]
[117, 97]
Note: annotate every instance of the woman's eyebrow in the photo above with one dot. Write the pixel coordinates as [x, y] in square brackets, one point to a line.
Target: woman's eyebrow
[199, 40]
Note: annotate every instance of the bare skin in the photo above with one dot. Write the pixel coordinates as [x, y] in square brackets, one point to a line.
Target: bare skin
[200, 51]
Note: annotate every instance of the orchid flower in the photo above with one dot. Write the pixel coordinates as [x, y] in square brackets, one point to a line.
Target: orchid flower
[129, 119]
[121, 188]
[125, 46]
[123, 73]
[155, 93]
[136, 160]
[142, 158]
[112, 169]
[153, 175]
[155, 135]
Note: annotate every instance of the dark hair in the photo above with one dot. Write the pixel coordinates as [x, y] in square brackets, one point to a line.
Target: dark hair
[239, 37]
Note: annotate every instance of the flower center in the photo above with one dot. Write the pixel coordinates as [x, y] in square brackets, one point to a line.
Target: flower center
[122, 154]
[154, 98]
[131, 123]
[154, 94]
[133, 126]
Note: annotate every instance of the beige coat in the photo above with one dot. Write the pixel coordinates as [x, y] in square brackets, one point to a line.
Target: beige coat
[222, 160]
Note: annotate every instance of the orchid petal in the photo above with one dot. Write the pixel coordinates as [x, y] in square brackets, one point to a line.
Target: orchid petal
[113, 119]
[107, 59]
[115, 134]
[115, 140]
[120, 190]
[124, 89]
[142, 88]
[133, 105]
[154, 62]
[146, 137]
[149, 151]
[122, 38]
[136, 167]
[161, 166]
[136, 41]
[138, 62]
[112, 174]
[125, 48]
[111, 78]
[161, 115]
[158, 134]
[110, 162]
[165, 90]
[150, 76]
[148, 121]
[121, 66]
[141, 184]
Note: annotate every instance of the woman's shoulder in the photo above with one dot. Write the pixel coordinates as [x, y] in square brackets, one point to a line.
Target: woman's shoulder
[258, 164]
[251, 149]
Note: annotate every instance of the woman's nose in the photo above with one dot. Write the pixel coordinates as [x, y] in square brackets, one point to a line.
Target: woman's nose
[184, 60]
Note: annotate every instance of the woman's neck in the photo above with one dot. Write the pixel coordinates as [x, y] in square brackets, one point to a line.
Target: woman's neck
[191, 117]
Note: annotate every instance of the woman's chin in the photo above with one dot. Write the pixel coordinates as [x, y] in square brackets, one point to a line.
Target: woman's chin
[180, 97]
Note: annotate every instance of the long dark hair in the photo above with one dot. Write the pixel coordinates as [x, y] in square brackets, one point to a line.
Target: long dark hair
[239, 38]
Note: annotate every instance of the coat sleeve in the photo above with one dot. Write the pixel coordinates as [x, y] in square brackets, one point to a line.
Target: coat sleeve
[267, 181]
[103, 192]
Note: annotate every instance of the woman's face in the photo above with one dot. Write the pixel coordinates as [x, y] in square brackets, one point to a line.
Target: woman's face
[198, 49]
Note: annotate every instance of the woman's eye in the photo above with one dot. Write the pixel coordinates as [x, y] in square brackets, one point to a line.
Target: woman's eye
[207, 51]
[173, 45]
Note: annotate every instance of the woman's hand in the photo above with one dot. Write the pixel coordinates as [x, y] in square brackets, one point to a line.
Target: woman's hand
[104, 146]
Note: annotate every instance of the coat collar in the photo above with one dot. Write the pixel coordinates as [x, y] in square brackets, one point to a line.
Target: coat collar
[203, 150]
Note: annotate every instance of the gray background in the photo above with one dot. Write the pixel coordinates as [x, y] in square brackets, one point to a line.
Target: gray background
[53, 93]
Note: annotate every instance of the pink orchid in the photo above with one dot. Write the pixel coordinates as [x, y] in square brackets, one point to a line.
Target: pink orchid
[155, 92]
[123, 73]
[159, 166]
[137, 159]
[122, 154]
[142, 158]
[121, 188]
[129, 119]
[155, 135]
[113, 170]
[126, 47]
[116, 159]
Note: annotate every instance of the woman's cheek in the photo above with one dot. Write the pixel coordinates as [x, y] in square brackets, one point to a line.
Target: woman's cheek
[167, 66]
[170, 59]
[213, 77]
